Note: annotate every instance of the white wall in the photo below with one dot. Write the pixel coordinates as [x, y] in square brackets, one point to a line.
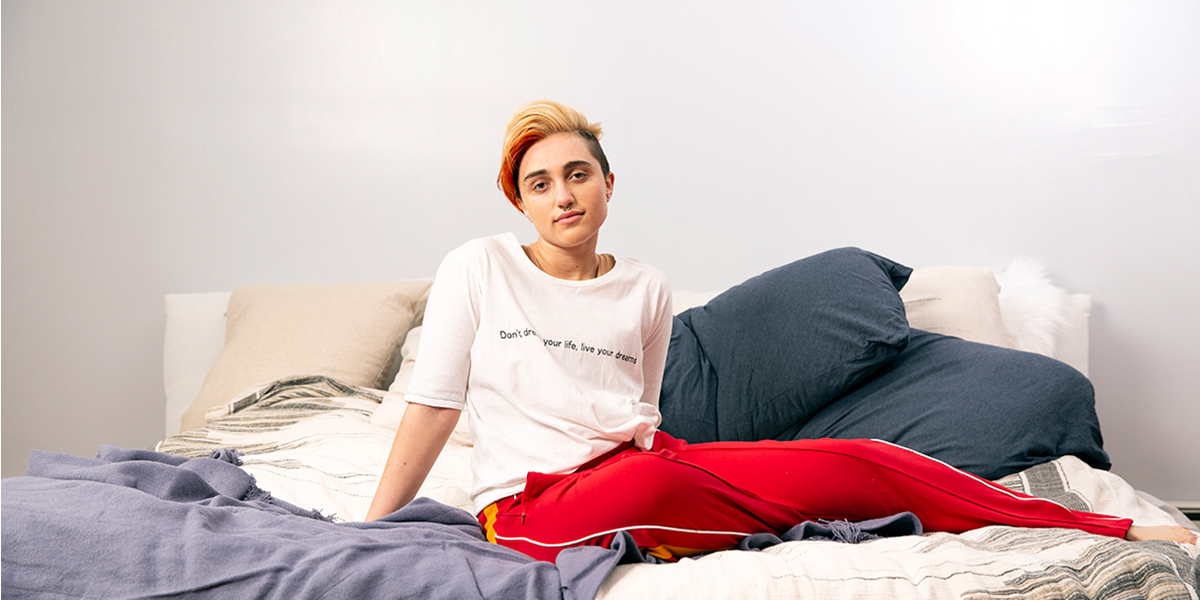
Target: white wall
[153, 147]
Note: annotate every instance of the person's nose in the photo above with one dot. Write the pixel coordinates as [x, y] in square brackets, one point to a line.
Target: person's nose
[564, 199]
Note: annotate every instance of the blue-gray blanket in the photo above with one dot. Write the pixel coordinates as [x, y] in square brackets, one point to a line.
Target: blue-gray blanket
[140, 524]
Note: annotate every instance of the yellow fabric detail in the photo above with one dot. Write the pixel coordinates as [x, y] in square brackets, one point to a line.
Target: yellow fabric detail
[490, 528]
[667, 552]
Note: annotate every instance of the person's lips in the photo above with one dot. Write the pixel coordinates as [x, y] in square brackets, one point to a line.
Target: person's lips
[569, 217]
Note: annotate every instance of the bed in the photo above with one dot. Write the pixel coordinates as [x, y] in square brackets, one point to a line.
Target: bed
[282, 401]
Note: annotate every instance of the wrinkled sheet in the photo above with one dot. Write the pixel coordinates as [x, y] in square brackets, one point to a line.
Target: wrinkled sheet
[134, 523]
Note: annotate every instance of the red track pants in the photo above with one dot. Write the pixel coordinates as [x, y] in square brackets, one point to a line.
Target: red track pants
[679, 499]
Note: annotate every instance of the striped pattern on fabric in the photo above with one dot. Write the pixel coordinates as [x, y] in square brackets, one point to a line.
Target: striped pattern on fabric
[309, 440]
[271, 409]
[1047, 480]
[986, 563]
[1100, 568]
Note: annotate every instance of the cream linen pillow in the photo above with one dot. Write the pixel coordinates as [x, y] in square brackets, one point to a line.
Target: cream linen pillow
[347, 331]
[959, 301]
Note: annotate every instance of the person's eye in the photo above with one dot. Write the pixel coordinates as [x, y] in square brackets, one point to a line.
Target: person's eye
[579, 175]
[537, 187]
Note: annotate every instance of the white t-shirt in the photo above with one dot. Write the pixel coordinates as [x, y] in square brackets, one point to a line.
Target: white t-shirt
[553, 373]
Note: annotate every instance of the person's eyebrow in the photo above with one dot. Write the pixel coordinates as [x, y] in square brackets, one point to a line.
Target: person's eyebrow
[537, 173]
[567, 167]
[575, 164]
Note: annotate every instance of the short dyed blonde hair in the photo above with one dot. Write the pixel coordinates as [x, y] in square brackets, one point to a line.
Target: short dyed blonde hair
[534, 122]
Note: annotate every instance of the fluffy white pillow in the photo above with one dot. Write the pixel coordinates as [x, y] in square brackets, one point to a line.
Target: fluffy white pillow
[1042, 317]
[1034, 309]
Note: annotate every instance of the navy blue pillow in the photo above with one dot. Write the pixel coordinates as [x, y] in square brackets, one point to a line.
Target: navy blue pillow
[987, 410]
[768, 353]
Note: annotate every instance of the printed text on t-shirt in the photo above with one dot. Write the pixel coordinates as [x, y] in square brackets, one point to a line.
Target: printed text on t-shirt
[567, 345]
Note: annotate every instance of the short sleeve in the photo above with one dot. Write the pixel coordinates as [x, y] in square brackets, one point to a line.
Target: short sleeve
[451, 321]
[654, 349]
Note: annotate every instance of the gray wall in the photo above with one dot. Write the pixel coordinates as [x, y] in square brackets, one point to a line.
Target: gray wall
[153, 147]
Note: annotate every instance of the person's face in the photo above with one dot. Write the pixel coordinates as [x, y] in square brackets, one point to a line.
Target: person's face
[564, 191]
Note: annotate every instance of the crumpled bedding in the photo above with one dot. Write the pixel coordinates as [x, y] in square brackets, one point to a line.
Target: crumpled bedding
[138, 523]
[135, 523]
[88, 528]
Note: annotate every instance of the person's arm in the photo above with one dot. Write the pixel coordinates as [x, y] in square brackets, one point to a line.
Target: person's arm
[422, 434]
[437, 392]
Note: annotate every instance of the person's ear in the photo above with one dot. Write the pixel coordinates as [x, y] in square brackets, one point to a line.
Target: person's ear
[608, 185]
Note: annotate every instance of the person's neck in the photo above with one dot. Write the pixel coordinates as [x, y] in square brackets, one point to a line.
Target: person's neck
[576, 264]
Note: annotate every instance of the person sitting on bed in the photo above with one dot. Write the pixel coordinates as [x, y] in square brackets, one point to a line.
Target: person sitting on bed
[557, 354]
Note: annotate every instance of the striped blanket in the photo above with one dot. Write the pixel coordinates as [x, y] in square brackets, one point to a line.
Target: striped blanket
[309, 441]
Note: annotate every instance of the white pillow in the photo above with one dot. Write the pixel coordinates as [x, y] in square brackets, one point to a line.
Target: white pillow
[195, 335]
[1072, 346]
